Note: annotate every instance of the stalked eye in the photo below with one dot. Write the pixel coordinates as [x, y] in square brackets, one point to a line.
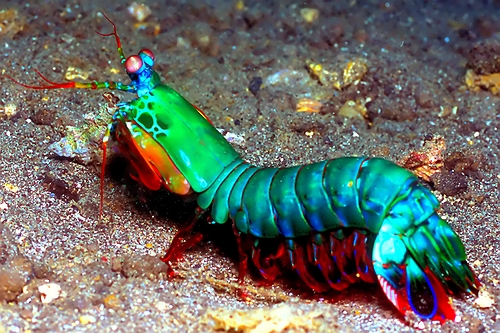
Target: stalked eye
[148, 52]
[147, 56]
[133, 64]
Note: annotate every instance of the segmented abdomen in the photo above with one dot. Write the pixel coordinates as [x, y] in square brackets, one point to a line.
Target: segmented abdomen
[349, 192]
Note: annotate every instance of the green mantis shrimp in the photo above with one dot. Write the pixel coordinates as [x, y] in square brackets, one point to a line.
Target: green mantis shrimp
[333, 223]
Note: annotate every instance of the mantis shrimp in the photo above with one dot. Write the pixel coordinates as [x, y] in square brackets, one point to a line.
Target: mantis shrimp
[333, 223]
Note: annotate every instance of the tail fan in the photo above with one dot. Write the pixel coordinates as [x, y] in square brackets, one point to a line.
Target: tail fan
[419, 264]
[410, 288]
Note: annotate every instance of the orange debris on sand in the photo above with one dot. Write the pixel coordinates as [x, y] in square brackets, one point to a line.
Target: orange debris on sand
[489, 81]
[308, 105]
[428, 160]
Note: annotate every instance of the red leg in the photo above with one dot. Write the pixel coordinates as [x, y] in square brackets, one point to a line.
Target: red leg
[327, 267]
[268, 267]
[363, 262]
[346, 261]
[178, 247]
[178, 252]
[243, 264]
[299, 261]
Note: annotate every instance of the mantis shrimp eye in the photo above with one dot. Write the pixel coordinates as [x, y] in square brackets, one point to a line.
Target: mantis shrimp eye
[133, 64]
[147, 56]
[148, 52]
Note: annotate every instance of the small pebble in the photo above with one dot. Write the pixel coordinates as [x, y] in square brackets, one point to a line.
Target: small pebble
[161, 306]
[87, 319]
[111, 302]
[49, 292]
[450, 183]
[8, 111]
[309, 14]
[423, 98]
[26, 314]
[485, 300]
[255, 84]
[10, 187]
[139, 11]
